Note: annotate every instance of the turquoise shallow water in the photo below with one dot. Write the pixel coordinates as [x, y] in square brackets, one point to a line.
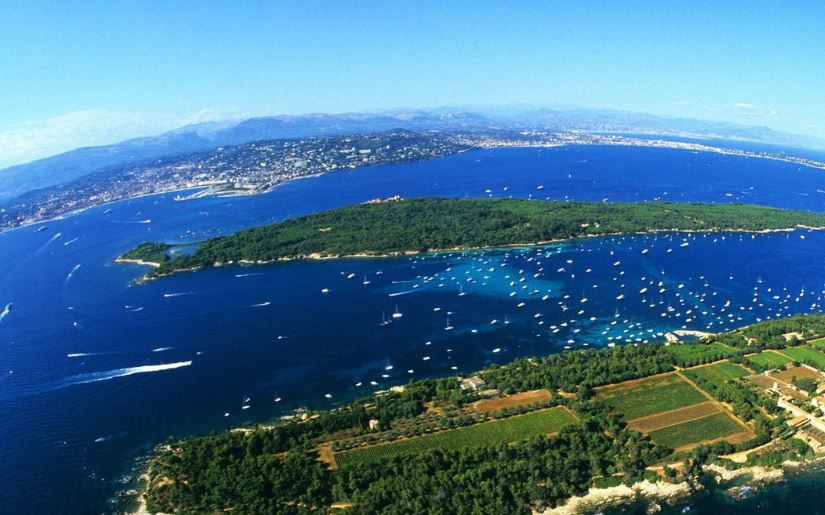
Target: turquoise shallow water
[94, 371]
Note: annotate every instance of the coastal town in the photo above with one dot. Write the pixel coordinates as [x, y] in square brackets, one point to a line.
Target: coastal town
[259, 167]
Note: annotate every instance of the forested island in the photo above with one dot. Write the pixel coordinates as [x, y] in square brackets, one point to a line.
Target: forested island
[398, 226]
[524, 436]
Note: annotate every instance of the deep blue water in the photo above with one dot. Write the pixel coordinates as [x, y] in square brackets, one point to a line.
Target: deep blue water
[94, 371]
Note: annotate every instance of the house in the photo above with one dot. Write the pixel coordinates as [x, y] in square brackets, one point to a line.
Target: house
[472, 384]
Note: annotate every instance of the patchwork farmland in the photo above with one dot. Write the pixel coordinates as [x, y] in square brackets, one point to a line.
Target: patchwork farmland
[674, 412]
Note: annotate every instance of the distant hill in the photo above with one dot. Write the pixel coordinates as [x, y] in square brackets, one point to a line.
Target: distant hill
[16, 180]
[65, 167]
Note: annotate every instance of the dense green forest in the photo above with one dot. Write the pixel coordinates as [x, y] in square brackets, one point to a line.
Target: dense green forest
[424, 224]
[148, 253]
[276, 469]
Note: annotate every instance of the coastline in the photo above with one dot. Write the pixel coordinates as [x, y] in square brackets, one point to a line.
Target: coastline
[671, 494]
[653, 144]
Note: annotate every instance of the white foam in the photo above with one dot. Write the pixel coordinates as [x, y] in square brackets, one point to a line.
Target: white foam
[94, 377]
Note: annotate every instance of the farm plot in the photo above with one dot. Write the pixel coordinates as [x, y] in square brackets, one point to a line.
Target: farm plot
[718, 373]
[699, 430]
[671, 418]
[512, 401]
[696, 353]
[496, 432]
[761, 381]
[635, 399]
[806, 355]
[787, 376]
[769, 359]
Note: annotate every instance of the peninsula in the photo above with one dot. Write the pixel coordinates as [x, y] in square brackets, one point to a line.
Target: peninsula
[396, 226]
[528, 436]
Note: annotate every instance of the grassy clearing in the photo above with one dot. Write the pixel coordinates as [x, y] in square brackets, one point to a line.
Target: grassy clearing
[699, 353]
[496, 432]
[806, 355]
[695, 431]
[768, 359]
[718, 373]
[648, 397]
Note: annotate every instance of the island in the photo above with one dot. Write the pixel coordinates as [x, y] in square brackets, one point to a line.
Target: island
[580, 430]
[396, 226]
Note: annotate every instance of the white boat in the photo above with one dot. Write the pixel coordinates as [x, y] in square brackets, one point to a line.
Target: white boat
[384, 320]
[396, 313]
[448, 327]
[496, 350]
[350, 276]
[461, 291]
[325, 290]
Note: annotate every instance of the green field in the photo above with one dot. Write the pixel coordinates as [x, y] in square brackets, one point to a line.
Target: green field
[650, 396]
[819, 343]
[695, 431]
[718, 373]
[806, 355]
[696, 353]
[489, 433]
[769, 359]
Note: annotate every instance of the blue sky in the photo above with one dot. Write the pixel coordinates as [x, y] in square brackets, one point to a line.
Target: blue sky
[77, 73]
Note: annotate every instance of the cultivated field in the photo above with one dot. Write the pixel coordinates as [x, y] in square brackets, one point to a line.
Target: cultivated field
[806, 355]
[787, 376]
[512, 401]
[699, 430]
[769, 359]
[701, 353]
[635, 399]
[718, 373]
[761, 380]
[673, 417]
[538, 423]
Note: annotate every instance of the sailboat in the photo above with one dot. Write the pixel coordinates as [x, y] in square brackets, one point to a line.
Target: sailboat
[396, 313]
[461, 291]
[384, 320]
[448, 327]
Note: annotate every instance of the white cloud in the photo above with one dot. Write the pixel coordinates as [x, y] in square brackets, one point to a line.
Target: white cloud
[749, 109]
[34, 139]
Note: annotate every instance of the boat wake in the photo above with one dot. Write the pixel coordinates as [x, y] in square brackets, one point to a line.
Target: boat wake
[406, 292]
[69, 276]
[94, 377]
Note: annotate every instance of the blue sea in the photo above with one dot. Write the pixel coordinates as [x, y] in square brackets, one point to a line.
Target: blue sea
[95, 371]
